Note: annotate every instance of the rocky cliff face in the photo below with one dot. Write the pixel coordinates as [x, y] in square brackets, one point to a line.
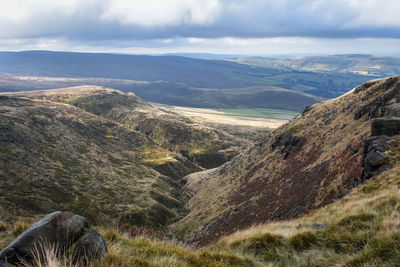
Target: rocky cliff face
[309, 162]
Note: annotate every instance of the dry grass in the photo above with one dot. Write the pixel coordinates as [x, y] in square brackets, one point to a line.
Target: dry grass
[49, 256]
[20, 227]
[125, 250]
[4, 227]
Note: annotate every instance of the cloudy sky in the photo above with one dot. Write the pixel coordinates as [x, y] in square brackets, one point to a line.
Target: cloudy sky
[256, 27]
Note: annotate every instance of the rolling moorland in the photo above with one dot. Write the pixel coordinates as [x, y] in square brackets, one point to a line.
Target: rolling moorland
[288, 84]
[333, 171]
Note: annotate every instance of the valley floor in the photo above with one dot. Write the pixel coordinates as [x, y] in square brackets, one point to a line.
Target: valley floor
[262, 118]
[251, 124]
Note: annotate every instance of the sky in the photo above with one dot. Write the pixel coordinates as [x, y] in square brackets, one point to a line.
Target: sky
[245, 27]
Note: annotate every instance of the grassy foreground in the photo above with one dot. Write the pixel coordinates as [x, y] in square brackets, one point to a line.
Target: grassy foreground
[362, 229]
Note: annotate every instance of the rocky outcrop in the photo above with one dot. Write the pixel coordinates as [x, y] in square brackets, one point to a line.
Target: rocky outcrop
[389, 124]
[385, 126]
[375, 160]
[383, 131]
[64, 232]
[393, 110]
[288, 143]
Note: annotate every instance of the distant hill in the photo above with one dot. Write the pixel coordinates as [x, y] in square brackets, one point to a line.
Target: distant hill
[288, 84]
[352, 63]
[193, 72]
[204, 55]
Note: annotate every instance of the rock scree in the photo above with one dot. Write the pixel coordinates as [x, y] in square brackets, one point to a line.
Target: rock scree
[64, 232]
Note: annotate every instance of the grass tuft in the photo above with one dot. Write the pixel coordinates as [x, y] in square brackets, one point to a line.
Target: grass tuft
[4, 227]
[303, 241]
[20, 227]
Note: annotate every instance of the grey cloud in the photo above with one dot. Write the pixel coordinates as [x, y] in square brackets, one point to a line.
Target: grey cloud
[242, 19]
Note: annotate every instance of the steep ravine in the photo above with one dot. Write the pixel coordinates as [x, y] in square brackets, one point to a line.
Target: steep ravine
[313, 160]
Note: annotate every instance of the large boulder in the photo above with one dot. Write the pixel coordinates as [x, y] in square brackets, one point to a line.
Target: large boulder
[90, 246]
[60, 231]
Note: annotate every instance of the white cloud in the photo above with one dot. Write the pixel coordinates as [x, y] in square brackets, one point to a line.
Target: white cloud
[374, 13]
[18, 11]
[151, 13]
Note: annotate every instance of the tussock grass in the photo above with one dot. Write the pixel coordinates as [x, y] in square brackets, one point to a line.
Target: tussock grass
[125, 250]
[49, 256]
[4, 227]
[20, 227]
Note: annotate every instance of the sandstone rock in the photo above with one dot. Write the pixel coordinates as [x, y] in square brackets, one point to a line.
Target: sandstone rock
[376, 143]
[385, 126]
[59, 230]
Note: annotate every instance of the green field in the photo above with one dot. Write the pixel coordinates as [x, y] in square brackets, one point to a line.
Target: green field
[251, 89]
[261, 113]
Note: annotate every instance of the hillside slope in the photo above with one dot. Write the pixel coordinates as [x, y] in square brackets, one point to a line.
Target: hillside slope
[206, 146]
[309, 162]
[57, 156]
